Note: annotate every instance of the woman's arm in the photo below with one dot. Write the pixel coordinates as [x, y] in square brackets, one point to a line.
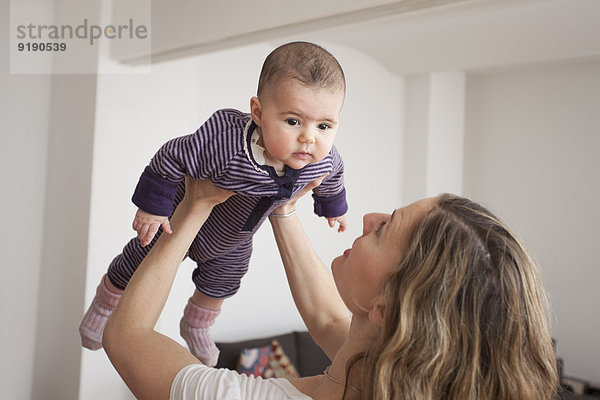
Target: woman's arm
[146, 360]
[311, 284]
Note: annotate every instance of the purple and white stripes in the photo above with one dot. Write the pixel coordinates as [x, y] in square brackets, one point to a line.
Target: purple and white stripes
[223, 246]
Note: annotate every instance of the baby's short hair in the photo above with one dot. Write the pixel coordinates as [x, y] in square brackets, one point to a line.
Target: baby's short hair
[306, 62]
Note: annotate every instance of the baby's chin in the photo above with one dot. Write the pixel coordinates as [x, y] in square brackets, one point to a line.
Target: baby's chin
[299, 164]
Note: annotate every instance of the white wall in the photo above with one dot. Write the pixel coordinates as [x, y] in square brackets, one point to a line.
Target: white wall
[434, 124]
[533, 136]
[24, 115]
[46, 148]
[135, 114]
[46, 159]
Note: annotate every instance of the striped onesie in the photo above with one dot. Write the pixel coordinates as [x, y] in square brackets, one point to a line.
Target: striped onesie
[221, 150]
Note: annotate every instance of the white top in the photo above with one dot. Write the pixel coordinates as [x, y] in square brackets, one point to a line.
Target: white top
[197, 381]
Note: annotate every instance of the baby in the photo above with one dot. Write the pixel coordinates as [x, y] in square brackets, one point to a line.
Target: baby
[265, 157]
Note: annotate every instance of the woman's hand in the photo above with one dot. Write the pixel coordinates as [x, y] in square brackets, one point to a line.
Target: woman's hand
[291, 204]
[204, 192]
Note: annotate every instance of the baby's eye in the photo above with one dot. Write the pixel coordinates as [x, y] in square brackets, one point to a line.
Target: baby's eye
[324, 127]
[292, 121]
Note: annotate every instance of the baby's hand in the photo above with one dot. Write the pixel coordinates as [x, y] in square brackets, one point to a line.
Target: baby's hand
[146, 225]
[340, 220]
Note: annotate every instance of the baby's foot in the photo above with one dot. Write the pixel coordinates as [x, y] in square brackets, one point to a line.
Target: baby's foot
[194, 328]
[94, 320]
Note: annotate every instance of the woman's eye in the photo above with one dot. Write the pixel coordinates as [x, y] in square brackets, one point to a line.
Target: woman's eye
[324, 127]
[292, 121]
[379, 228]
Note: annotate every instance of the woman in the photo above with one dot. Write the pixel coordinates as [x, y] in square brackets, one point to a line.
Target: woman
[445, 304]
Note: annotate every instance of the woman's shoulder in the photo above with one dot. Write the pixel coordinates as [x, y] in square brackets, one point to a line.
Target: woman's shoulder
[198, 381]
[307, 384]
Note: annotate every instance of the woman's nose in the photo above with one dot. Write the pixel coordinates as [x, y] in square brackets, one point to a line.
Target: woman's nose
[368, 223]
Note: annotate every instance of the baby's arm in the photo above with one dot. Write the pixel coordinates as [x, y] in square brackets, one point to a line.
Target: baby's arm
[146, 225]
[194, 155]
[330, 196]
[341, 220]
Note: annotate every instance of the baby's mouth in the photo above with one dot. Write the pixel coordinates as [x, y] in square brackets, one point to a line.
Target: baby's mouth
[302, 154]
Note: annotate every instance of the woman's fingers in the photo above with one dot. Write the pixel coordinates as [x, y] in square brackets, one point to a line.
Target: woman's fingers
[310, 186]
[205, 190]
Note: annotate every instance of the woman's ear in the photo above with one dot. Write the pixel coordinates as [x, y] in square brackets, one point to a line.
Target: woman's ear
[256, 110]
[377, 311]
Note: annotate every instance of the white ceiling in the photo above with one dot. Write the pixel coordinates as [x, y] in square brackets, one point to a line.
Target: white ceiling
[418, 36]
[477, 35]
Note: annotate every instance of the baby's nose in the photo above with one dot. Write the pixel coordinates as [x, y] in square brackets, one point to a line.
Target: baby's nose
[307, 137]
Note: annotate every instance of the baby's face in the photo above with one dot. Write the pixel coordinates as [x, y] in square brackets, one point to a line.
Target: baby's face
[297, 124]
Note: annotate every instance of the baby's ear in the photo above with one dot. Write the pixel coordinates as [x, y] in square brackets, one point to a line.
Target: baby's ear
[256, 110]
[377, 311]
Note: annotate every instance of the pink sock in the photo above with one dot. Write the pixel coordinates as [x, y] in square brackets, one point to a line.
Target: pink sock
[94, 320]
[194, 329]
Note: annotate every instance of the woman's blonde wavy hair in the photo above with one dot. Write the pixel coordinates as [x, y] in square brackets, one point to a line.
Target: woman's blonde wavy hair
[466, 315]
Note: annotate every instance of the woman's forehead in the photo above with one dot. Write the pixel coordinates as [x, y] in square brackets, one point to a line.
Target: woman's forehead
[411, 215]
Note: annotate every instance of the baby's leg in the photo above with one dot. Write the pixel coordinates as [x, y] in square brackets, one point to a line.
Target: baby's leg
[123, 266]
[109, 292]
[215, 281]
[94, 320]
[198, 316]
